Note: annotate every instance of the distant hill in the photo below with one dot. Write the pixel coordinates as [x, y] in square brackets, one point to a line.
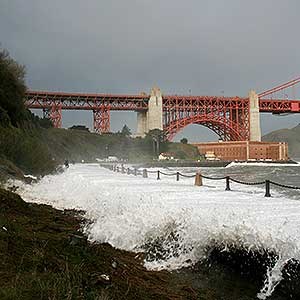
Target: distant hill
[291, 136]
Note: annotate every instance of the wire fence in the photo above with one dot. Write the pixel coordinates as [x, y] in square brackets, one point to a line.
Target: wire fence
[144, 173]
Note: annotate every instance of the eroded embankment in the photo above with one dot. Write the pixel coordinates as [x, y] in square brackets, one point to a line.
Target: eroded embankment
[43, 255]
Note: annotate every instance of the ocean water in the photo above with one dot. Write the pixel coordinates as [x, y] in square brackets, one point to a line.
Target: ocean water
[176, 222]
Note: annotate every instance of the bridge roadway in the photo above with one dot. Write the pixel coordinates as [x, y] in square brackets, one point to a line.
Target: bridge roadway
[78, 101]
[232, 118]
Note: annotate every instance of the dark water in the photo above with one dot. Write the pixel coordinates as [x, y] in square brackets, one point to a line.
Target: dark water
[237, 273]
[233, 274]
[286, 175]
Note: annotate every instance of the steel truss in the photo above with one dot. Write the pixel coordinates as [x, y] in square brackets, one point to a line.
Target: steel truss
[102, 119]
[36, 99]
[54, 113]
[279, 106]
[226, 116]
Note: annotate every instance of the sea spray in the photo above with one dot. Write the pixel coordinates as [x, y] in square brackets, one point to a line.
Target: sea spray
[129, 212]
[273, 278]
[274, 274]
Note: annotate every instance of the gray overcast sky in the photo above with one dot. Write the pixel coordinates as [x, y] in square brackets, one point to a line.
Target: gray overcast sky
[205, 47]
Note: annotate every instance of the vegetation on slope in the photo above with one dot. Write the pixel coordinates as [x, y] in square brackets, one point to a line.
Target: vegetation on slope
[13, 112]
[290, 136]
[77, 145]
[24, 149]
[19, 144]
[12, 89]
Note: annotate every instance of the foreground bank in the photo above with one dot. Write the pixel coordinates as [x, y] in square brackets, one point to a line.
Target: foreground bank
[44, 255]
[249, 243]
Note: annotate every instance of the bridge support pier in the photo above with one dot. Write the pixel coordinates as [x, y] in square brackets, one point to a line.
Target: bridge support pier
[254, 118]
[141, 123]
[54, 114]
[153, 118]
[102, 120]
[155, 110]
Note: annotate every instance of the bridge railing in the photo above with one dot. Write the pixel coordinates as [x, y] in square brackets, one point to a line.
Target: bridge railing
[144, 173]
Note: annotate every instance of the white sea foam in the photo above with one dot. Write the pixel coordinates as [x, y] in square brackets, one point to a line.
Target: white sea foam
[130, 211]
[262, 164]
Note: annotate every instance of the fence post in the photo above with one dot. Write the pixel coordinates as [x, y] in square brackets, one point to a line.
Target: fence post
[135, 172]
[198, 179]
[158, 175]
[267, 194]
[227, 183]
[177, 176]
[145, 173]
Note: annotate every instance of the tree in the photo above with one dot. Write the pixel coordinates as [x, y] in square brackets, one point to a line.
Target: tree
[126, 131]
[79, 127]
[4, 118]
[12, 94]
[12, 89]
[158, 138]
[157, 134]
[184, 141]
[45, 123]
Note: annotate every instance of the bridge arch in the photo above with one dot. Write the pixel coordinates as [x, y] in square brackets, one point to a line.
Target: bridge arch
[226, 129]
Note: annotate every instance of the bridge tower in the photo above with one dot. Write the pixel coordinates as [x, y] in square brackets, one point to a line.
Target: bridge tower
[153, 118]
[254, 118]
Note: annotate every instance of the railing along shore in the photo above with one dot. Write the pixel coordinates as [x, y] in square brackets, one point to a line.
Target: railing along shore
[198, 178]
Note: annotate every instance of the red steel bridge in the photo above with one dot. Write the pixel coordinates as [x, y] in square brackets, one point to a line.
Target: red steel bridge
[227, 116]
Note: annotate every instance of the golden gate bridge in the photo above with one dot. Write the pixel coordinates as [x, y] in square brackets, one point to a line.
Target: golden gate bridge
[232, 118]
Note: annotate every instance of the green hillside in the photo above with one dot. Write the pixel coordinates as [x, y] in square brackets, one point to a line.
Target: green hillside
[80, 145]
[40, 150]
[291, 136]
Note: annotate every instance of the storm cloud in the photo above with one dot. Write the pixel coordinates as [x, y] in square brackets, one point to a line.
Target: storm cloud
[213, 47]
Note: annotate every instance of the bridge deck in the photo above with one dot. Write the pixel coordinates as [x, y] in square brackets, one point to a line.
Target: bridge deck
[81, 101]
